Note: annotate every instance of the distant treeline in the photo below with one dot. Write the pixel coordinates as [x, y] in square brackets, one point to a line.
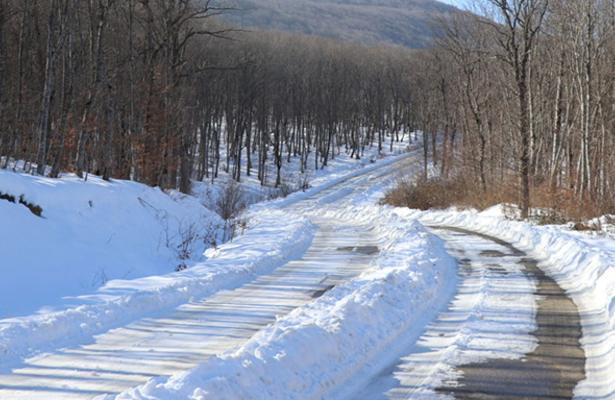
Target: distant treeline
[156, 91]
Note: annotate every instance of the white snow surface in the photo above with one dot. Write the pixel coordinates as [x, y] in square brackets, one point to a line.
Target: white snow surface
[319, 349]
[90, 232]
[324, 345]
[475, 327]
[265, 245]
[315, 350]
[76, 265]
[584, 266]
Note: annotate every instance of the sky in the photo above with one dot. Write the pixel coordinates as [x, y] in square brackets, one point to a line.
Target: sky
[456, 3]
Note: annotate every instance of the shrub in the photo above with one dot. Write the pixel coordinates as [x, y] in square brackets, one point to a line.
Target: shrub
[230, 202]
[285, 189]
[550, 205]
[189, 234]
[34, 208]
[586, 226]
[424, 194]
[7, 197]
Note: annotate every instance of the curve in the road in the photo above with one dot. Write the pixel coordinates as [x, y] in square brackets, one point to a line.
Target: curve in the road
[555, 366]
[510, 333]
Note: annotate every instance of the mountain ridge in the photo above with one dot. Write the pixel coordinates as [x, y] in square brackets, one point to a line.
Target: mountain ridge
[408, 23]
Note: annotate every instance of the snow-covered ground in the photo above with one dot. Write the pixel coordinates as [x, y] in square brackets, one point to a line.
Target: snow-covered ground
[138, 216]
[319, 348]
[347, 331]
[265, 245]
[319, 293]
[93, 231]
[293, 180]
[89, 234]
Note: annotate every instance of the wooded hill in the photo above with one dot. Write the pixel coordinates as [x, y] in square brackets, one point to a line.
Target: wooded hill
[408, 23]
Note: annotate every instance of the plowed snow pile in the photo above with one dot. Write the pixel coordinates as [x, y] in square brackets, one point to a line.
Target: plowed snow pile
[318, 347]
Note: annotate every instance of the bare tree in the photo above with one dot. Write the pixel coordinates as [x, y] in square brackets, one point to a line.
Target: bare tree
[517, 28]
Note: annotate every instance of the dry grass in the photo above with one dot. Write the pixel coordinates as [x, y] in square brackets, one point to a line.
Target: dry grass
[549, 205]
[427, 194]
[561, 205]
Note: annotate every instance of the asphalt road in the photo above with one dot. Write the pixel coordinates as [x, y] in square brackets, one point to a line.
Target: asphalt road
[501, 293]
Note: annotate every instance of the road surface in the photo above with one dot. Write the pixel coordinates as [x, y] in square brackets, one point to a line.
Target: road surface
[479, 348]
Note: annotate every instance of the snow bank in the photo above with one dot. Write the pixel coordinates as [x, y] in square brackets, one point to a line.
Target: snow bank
[94, 231]
[582, 265]
[91, 232]
[318, 347]
[266, 245]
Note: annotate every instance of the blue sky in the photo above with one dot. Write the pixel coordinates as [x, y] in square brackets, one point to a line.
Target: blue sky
[458, 3]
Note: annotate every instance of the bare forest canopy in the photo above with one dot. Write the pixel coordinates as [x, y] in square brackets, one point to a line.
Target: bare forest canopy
[158, 92]
[407, 23]
[532, 88]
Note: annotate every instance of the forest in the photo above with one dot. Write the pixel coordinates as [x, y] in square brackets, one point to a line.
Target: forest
[159, 92]
[517, 98]
[531, 85]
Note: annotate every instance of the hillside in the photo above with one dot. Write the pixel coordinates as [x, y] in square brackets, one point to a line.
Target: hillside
[407, 23]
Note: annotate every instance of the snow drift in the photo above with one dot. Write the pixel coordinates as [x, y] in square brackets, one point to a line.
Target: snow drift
[76, 259]
[129, 225]
[265, 245]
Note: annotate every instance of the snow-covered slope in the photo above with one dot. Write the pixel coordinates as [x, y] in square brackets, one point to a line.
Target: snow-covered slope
[127, 224]
[94, 231]
[91, 232]
[266, 245]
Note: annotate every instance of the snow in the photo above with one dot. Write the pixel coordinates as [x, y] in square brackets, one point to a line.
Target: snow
[477, 325]
[101, 254]
[90, 233]
[582, 265]
[324, 348]
[266, 244]
[338, 169]
[317, 348]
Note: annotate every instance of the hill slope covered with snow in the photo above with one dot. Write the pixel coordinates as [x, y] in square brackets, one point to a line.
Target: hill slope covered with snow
[91, 232]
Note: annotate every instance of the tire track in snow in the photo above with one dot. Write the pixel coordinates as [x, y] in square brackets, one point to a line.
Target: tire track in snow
[555, 366]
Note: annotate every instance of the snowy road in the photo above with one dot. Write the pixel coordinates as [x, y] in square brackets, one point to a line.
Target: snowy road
[129, 356]
[510, 333]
